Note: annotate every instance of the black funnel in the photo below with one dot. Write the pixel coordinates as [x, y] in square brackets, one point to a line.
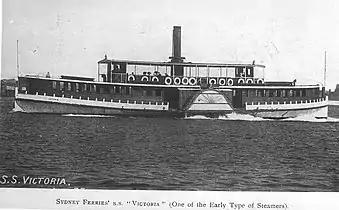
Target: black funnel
[176, 51]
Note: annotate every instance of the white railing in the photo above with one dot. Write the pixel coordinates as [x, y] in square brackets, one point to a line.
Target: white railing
[287, 105]
[101, 103]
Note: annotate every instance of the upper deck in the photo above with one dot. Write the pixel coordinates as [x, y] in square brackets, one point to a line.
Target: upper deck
[176, 73]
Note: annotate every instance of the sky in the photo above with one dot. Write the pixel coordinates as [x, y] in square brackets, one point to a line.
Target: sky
[69, 36]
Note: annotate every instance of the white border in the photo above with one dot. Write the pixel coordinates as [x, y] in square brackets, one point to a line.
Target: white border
[47, 199]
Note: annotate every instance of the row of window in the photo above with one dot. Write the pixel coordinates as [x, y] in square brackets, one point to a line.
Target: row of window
[279, 93]
[82, 87]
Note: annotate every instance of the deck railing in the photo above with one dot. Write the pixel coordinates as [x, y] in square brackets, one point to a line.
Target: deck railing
[287, 104]
[113, 103]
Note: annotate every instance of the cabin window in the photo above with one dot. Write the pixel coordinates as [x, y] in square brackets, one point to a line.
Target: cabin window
[297, 93]
[275, 93]
[234, 93]
[158, 93]
[290, 93]
[303, 93]
[283, 93]
[77, 87]
[54, 84]
[23, 88]
[149, 93]
[246, 93]
[98, 89]
[94, 88]
[69, 86]
[81, 87]
[313, 93]
[278, 93]
[270, 93]
[126, 90]
[85, 87]
[117, 90]
[266, 93]
[111, 90]
[261, 93]
[62, 86]
[251, 93]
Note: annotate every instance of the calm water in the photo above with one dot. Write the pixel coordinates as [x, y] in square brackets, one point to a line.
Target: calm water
[178, 154]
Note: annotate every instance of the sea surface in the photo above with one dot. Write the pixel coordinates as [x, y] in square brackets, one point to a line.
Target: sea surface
[238, 154]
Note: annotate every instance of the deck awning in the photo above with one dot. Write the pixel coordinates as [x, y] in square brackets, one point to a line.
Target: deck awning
[187, 64]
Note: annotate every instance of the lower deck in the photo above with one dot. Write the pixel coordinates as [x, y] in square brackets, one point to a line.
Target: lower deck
[176, 96]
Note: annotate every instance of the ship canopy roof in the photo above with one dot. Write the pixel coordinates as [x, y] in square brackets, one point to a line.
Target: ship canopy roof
[188, 64]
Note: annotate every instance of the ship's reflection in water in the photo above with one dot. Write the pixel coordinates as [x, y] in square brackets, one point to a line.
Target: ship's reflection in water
[171, 154]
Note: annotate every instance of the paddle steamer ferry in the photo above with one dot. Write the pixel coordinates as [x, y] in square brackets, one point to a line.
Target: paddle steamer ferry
[174, 88]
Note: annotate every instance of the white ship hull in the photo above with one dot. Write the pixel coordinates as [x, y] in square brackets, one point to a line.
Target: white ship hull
[316, 112]
[28, 103]
[214, 103]
[59, 105]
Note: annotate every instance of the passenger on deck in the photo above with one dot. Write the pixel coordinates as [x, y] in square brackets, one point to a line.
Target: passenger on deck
[294, 81]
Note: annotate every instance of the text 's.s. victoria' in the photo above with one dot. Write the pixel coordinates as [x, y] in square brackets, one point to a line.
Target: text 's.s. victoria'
[31, 180]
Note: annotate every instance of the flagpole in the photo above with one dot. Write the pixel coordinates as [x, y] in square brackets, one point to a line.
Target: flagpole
[325, 72]
[17, 58]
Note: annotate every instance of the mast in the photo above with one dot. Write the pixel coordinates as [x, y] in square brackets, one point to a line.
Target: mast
[17, 58]
[325, 72]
